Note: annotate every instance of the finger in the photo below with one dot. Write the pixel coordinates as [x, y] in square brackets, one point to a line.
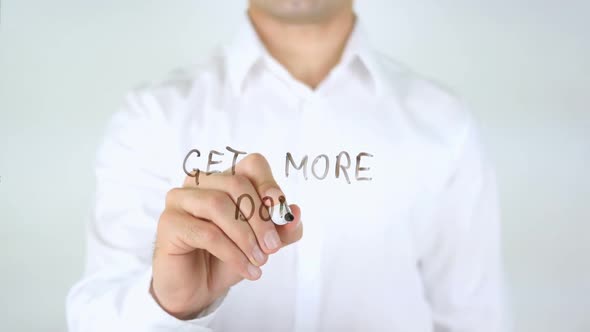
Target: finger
[293, 231]
[185, 230]
[256, 168]
[217, 207]
[247, 200]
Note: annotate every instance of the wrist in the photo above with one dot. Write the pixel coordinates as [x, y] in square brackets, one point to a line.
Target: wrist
[182, 312]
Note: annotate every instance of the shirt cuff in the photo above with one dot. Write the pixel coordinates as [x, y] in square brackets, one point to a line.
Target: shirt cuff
[145, 314]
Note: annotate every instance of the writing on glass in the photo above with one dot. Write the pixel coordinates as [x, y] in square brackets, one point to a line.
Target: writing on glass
[344, 167]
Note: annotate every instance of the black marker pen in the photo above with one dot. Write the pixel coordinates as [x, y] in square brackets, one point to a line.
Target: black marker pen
[281, 213]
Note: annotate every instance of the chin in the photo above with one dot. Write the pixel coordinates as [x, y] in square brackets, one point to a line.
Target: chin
[302, 11]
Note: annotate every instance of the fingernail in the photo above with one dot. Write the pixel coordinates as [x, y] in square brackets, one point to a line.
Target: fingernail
[272, 240]
[254, 271]
[275, 193]
[258, 255]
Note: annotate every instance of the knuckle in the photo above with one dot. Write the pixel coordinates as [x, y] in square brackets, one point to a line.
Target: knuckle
[166, 219]
[201, 234]
[172, 196]
[166, 216]
[191, 235]
[257, 157]
[250, 240]
[254, 160]
[217, 200]
[209, 234]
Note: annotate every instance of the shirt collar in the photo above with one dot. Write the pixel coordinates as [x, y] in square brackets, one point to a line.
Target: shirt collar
[246, 50]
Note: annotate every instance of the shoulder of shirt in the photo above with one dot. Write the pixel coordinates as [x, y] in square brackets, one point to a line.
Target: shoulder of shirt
[202, 83]
[434, 110]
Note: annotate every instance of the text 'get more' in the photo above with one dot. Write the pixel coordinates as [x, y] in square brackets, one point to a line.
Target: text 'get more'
[319, 167]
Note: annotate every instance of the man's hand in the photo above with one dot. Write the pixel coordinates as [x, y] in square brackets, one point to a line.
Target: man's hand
[202, 249]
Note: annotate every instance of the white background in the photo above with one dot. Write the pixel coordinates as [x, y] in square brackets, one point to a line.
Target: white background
[523, 65]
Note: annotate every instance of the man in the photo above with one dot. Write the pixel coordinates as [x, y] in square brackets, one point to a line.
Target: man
[401, 225]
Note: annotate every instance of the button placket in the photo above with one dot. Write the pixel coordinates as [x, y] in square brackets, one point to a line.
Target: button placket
[308, 299]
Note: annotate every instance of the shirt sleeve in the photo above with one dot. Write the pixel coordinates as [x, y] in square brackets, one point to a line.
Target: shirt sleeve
[131, 184]
[461, 259]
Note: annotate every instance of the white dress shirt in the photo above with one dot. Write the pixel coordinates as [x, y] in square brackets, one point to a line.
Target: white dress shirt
[415, 248]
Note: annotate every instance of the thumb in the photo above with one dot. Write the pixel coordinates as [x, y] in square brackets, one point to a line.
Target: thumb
[293, 231]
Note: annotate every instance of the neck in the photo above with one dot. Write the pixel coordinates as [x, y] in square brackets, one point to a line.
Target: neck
[307, 51]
